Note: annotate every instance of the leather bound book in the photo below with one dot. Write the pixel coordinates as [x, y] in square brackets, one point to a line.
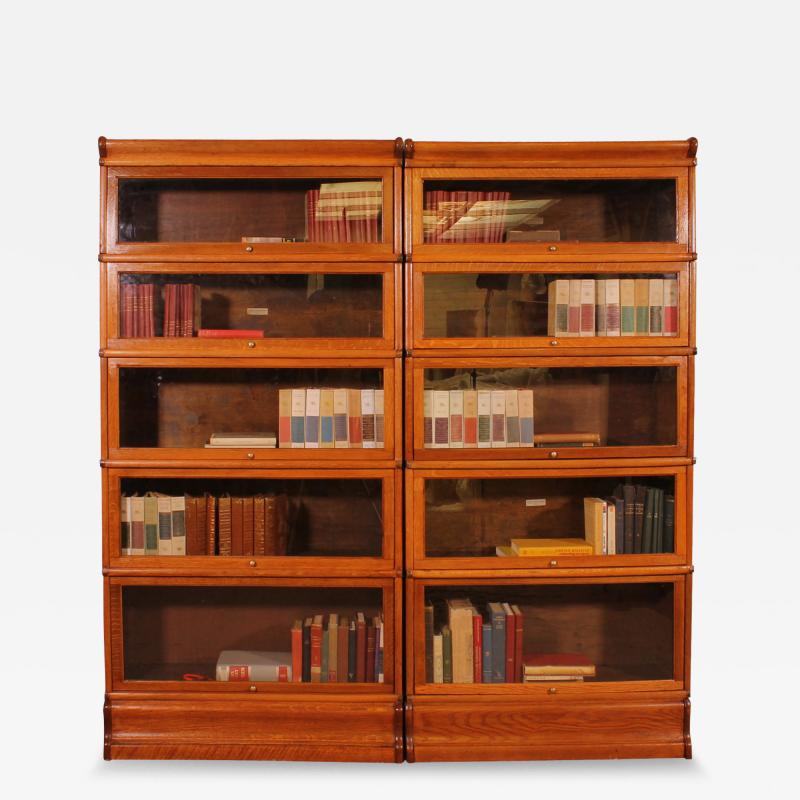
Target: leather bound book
[259, 531]
[658, 524]
[511, 642]
[248, 546]
[297, 650]
[224, 525]
[668, 543]
[352, 653]
[307, 649]
[316, 649]
[486, 655]
[211, 525]
[647, 531]
[323, 675]
[459, 620]
[370, 666]
[341, 649]
[447, 654]
[361, 647]
[333, 648]
[518, 643]
[638, 517]
[428, 643]
[477, 646]
[195, 538]
[629, 500]
[270, 526]
[282, 524]
[237, 526]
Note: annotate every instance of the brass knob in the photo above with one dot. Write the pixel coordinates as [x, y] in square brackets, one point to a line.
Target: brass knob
[554, 343]
[254, 688]
[252, 563]
[554, 454]
[554, 563]
[551, 690]
[251, 344]
[249, 248]
[251, 455]
[552, 248]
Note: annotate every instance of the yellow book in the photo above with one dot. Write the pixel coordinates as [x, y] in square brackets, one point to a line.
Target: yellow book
[551, 547]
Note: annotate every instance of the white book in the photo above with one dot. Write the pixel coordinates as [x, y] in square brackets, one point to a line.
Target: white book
[526, 417]
[178, 507]
[484, 418]
[341, 430]
[441, 419]
[368, 418]
[137, 527]
[498, 418]
[164, 526]
[612, 307]
[125, 526]
[313, 397]
[380, 422]
[298, 420]
[587, 307]
[512, 418]
[600, 308]
[427, 418]
[456, 418]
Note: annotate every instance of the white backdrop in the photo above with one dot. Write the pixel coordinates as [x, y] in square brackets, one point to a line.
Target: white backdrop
[449, 71]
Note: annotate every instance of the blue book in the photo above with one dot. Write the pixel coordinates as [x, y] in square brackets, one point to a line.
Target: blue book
[498, 617]
[486, 660]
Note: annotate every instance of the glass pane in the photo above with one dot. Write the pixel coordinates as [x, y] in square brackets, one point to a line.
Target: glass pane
[244, 517]
[596, 210]
[546, 633]
[253, 633]
[251, 408]
[550, 407]
[249, 209]
[472, 305]
[549, 517]
[283, 306]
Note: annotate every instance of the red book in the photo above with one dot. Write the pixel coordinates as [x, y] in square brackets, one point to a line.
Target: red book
[477, 647]
[229, 333]
[297, 651]
[370, 670]
[361, 648]
[518, 641]
[511, 643]
[126, 314]
[316, 649]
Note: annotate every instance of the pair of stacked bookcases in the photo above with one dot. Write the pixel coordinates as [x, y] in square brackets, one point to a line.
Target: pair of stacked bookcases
[243, 284]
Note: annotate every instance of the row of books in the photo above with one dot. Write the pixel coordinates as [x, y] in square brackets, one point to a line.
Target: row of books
[138, 310]
[612, 307]
[325, 648]
[347, 418]
[349, 211]
[156, 524]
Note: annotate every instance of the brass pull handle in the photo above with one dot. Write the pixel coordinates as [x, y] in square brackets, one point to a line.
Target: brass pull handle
[552, 248]
[249, 248]
[554, 454]
[554, 343]
[554, 563]
[253, 687]
[252, 563]
[251, 344]
[251, 455]
[551, 690]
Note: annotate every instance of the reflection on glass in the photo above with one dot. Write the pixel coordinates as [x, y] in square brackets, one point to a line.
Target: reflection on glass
[249, 210]
[493, 304]
[318, 305]
[253, 633]
[548, 517]
[549, 210]
[550, 407]
[549, 633]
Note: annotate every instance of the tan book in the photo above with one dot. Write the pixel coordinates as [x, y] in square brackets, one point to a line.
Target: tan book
[642, 301]
[259, 540]
[333, 648]
[224, 525]
[611, 528]
[656, 306]
[594, 519]
[354, 418]
[438, 659]
[558, 308]
[484, 418]
[512, 418]
[504, 551]
[150, 524]
[164, 525]
[670, 313]
[137, 528]
[549, 678]
[525, 417]
[612, 307]
[248, 538]
[427, 418]
[459, 615]
[298, 418]
[380, 421]
[574, 309]
[498, 399]
[627, 307]
[600, 307]
[588, 294]
[441, 419]
[456, 418]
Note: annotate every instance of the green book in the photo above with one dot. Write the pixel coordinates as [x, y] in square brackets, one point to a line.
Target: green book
[647, 531]
[150, 525]
[323, 678]
[447, 654]
[668, 545]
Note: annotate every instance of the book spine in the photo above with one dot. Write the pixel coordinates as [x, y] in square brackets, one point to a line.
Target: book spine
[558, 308]
[380, 441]
[428, 644]
[323, 674]
[600, 308]
[340, 427]
[379, 653]
[498, 418]
[519, 640]
[150, 525]
[316, 650]
[368, 419]
[164, 526]
[642, 299]
[612, 324]
[352, 653]
[307, 651]
[361, 649]
[627, 307]
[470, 418]
[498, 646]
[656, 300]
[427, 418]
[248, 532]
[486, 660]
[237, 526]
[574, 309]
[312, 418]
[441, 419]
[259, 526]
[438, 659]
[525, 417]
[670, 306]
[511, 643]
[477, 648]
[298, 426]
[333, 648]
[668, 545]
[125, 526]
[512, 418]
[284, 418]
[456, 418]
[326, 418]
[342, 651]
[178, 525]
[371, 645]
[587, 306]
[447, 655]
[354, 417]
[224, 513]
[211, 525]
[484, 418]
[297, 651]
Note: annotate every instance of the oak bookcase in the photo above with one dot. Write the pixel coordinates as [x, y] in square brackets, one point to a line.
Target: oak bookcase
[390, 300]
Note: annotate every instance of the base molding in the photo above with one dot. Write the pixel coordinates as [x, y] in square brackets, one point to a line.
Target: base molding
[253, 728]
[634, 725]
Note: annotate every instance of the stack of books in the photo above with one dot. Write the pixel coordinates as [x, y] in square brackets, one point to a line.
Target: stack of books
[323, 418]
[161, 525]
[478, 418]
[349, 211]
[137, 311]
[332, 648]
[546, 547]
[612, 307]
[545, 667]
[474, 647]
[242, 440]
[179, 309]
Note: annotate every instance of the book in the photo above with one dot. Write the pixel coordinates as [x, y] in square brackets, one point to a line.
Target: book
[638, 518]
[627, 307]
[616, 529]
[315, 652]
[497, 616]
[594, 518]
[668, 544]
[248, 522]
[441, 419]
[658, 521]
[224, 525]
[438, 659]
[164, 525]
[307, 649]
[341, 429]
[312, 418]
[260, 439]
[456, 424]
[352, 652]
[477, 645]
[512, 418]
[150, 524]
[427, 418]
[125, 527]
[369, 671]
[610, 524]
[551, 678]
[558, 664]
[326, 418]
[368, 418]
[354, 417]
[284, 417]
[641, 287]
[298, 419]
[297, 650]
[670, 312]
[567, 439]
[137, 547]
[511, 642]
[498, 418]
[379, 419]
[629, 501]
[587, 301]
[428, 643]
[379, 650]
[567, 546]
[237, 526]
[484, 418]
[178, 507]
[211, 524]
[447, 654]
[459, 619]
[656, 303]
[251, 665]
[600, 309]
[647, 528]
[231, 333]
[361, 647]
[574, 309]
[558, 308]
[486, 658]
[323, 673]
[519, 642]
[343, 631]
[612, 327]
[525, 417]
[504, 551]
